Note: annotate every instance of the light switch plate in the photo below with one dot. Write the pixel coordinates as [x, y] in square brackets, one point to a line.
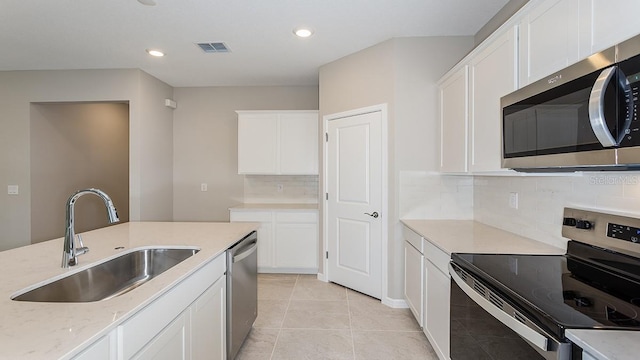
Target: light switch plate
[13, 190]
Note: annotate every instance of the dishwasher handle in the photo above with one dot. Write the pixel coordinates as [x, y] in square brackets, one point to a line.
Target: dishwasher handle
[246, 251]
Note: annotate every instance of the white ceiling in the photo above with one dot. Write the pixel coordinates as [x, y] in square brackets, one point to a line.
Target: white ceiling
[100, 34]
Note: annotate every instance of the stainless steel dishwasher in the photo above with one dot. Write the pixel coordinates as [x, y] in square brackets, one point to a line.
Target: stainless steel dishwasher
[242, 291]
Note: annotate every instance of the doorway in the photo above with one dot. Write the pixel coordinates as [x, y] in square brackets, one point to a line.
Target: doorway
[356, 201]
[75, 146]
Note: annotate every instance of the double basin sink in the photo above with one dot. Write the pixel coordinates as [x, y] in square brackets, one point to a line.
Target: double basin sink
[111, 278]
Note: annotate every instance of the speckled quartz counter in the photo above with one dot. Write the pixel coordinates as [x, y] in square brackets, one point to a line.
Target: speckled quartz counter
[272, 207]
[607, 344]
[470, 236]
[30, 330]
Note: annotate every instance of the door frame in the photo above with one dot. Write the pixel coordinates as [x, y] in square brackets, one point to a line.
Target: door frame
[382, 108]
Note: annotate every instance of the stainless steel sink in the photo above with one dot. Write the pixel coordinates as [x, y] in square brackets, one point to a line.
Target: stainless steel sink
[111, 278]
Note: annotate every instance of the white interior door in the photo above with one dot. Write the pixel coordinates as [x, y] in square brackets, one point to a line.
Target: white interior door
[354, 180]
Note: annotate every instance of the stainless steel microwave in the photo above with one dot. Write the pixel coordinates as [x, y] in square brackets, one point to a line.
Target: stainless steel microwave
[583, 118]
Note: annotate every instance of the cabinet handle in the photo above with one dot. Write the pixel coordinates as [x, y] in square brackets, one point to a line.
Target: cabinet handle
[374, 215]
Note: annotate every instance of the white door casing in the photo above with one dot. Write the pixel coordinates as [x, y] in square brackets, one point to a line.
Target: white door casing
[355, 182]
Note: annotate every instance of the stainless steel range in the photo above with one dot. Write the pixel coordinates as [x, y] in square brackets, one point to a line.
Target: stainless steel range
[519, 306]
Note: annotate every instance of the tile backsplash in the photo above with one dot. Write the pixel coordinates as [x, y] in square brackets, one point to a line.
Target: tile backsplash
[427, 195]
[279, 189]
[541, 200]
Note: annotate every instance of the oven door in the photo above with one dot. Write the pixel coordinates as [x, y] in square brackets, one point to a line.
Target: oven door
[483, 325]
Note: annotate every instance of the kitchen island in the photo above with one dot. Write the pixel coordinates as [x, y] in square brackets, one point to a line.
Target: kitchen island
[39, 330]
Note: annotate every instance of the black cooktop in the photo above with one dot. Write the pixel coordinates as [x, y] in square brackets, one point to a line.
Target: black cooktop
[587, 288]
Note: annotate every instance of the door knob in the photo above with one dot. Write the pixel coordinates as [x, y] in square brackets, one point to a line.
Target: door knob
[375, 214]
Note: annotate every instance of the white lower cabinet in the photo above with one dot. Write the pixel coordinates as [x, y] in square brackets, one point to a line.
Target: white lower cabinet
[414, 274]
[209, 323]
[171, 344]
[103, 349]
[187, 322]
[287, 240]
[436, 300]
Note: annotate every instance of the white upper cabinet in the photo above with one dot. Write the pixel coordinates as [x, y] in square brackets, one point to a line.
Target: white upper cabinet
[453, 92]
[492, 74]
[549, 38]
[278, 142]
[299, 143]
[611, 22]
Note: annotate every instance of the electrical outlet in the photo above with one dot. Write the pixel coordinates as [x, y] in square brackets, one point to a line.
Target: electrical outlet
[203, 187]
[13, 190]
[513, 200]
[280, 188]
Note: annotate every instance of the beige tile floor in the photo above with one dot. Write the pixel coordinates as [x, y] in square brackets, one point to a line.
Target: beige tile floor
[300, 317]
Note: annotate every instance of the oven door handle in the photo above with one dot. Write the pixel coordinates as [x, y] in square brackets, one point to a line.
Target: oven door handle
[521, 329]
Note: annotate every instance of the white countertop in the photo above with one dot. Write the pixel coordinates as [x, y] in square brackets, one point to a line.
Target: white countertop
[468, 236]
[31, 330]
[607, 344]
[271, 207]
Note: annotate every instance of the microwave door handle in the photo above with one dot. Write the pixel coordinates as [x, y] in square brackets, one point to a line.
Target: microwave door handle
[596, 108]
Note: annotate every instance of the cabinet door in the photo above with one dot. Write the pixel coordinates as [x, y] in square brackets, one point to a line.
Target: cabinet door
[171, 344]
[296, 241]
[612, 22]
[453, 122]
[438, 287]
[299, 143]
[297, 247]
[492, 74]
[208, 323]
[549, 39]
[103, 349]
[257, 143]
[413, 281]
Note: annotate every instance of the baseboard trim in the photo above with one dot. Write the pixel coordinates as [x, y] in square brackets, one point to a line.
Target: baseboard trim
[395, 303]
[268, 270]
[322, 277]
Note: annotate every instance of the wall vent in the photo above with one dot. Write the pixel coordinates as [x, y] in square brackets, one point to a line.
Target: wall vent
[213, 47]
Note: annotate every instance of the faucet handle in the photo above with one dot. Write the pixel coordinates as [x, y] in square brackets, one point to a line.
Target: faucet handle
[81, 249]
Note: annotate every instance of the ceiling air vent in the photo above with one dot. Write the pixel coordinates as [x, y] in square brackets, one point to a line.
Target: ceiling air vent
[213, 47]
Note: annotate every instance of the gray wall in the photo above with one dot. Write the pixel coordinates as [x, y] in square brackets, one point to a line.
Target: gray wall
[205, 139]
[151, 143]
[402, 73]
[77, 146]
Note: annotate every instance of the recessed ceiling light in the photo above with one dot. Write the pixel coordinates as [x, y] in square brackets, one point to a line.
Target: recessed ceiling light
[147, 2]
[303, 32]
[156, 53]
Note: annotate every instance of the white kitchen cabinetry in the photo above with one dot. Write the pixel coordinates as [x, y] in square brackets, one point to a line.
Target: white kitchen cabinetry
[209, 323]
[103, 349]
[470, 112]
[492, 74]
[414, 274]
[184, 323]
[171, 344]
[453, 92]
[437, 297]
[287, 240]
[550, 38]
[278, 142]
[610, 22]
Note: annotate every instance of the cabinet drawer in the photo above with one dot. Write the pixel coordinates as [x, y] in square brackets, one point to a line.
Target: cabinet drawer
[438, 257]
[297, 216]
[250, 216]
[413, 238]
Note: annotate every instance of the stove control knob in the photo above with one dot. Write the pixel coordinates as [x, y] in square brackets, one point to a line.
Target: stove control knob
[569, 221]
[584, 224]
